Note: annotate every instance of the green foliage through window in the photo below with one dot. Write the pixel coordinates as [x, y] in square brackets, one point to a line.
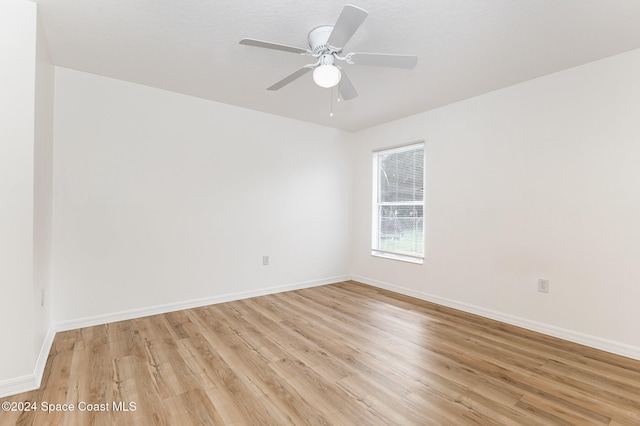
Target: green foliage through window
[399, 201]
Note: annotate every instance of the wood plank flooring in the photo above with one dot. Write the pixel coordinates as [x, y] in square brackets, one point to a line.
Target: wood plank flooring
[339, 354]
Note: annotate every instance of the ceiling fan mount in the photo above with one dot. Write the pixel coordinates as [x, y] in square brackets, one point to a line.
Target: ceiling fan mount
[326, 43]
[318, 40]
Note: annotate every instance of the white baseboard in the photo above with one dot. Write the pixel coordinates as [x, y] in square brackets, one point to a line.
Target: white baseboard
[41, 362]
[188, 304]
[18, 385]
[31, 381]
[550, 330]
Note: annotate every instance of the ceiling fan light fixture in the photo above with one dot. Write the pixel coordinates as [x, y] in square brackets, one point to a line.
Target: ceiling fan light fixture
[327, 75]
[326, 43]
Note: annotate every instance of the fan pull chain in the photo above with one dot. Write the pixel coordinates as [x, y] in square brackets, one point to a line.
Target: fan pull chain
[331, 103]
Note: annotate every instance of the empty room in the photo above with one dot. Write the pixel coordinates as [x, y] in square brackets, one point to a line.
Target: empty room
[380, 213]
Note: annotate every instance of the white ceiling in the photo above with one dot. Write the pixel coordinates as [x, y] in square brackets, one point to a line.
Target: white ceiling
[465, 48]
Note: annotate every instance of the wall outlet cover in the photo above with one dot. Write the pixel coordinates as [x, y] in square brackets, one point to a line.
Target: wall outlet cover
[543, 285]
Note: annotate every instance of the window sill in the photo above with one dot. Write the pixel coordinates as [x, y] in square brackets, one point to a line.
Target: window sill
[395, 256]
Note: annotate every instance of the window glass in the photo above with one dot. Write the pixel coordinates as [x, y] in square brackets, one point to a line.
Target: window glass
[399, 203]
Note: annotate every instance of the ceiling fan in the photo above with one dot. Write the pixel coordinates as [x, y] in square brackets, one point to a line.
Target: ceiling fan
[326, 43]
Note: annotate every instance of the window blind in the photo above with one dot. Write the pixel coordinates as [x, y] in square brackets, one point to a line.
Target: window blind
[398, 212]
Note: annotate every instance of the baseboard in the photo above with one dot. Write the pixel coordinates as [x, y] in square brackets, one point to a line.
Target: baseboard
[188, 304]
[31, 381]
[41, 362]
[18, 385]
[550, 330]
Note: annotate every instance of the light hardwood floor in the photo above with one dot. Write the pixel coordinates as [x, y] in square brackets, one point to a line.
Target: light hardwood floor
[339, 354]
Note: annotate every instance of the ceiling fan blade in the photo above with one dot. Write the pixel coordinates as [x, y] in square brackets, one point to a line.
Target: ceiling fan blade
[347, 91]
[383, 60]
[270, 45]
[348, 23]
[291, 77]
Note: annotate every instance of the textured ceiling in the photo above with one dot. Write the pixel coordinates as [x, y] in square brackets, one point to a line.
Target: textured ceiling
[465, 48]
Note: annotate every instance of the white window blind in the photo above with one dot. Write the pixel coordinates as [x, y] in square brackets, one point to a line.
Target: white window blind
[398, 210]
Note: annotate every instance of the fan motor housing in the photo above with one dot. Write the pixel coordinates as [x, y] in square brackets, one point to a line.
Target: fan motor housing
[318, 39]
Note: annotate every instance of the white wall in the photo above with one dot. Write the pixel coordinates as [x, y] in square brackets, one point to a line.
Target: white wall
[43, 191]
[537, 180]
[161, 198]
[17, 49]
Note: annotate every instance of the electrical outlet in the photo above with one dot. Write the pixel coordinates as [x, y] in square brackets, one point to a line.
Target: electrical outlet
[543, 285]
[265, 260]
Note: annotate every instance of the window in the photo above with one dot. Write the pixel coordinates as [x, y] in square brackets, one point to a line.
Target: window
[398, 203]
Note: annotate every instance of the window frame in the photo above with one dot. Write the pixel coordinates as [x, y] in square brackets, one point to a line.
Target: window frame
[376, 204]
